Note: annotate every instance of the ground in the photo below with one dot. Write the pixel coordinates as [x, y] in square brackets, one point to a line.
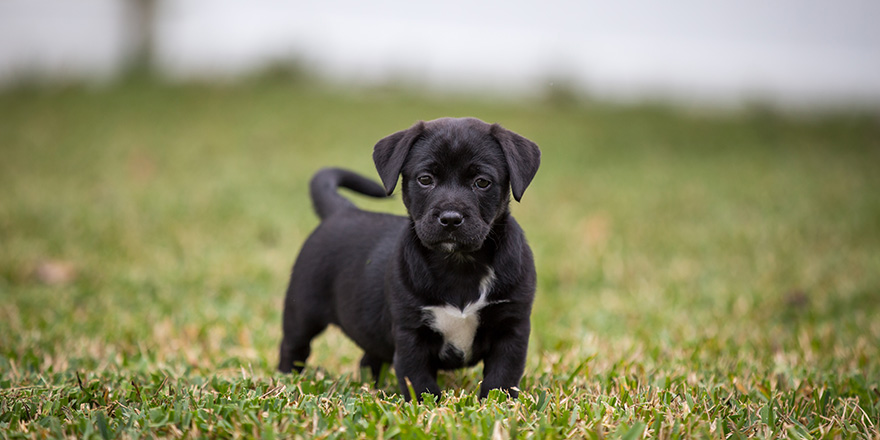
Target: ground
[701, 272]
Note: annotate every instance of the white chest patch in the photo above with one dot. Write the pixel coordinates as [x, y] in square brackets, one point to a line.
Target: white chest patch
[458, 326]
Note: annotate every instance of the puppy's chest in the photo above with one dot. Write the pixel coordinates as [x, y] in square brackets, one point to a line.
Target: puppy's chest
[458, 325]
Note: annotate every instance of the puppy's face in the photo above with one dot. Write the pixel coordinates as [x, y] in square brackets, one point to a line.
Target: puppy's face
[457, 175]
[455, 184]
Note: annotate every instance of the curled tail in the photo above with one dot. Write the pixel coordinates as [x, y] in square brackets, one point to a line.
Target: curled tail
[325, 183]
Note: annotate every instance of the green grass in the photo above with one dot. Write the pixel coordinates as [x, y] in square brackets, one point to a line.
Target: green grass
[700, 273]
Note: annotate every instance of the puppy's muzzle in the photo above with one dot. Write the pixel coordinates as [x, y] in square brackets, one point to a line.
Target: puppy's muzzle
[450, 220]
[451, 229]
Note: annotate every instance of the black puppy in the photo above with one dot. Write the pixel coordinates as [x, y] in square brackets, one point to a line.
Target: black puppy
[444, 288]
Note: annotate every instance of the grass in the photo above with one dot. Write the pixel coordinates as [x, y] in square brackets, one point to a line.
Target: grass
[701, 274]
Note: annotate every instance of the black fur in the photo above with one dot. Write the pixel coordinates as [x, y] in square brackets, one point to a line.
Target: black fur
[373, 274]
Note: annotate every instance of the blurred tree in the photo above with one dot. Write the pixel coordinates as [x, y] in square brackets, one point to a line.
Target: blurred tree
[143, 23]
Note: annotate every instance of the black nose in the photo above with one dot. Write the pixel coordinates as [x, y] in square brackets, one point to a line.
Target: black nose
[451, 219]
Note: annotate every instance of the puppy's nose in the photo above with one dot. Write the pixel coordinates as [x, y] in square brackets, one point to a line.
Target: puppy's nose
[451, 219]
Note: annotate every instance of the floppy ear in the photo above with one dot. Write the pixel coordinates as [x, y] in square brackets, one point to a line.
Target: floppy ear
[523, 158]
[390, 152]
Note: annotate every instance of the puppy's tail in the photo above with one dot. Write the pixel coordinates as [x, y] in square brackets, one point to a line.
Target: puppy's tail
[325, 183]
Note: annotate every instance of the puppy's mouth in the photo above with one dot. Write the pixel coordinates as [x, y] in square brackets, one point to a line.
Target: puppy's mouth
[451, 237]
[449, 243]
[447, 246]
[451, 247]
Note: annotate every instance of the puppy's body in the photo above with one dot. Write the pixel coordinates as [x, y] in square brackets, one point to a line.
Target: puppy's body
[448, 286]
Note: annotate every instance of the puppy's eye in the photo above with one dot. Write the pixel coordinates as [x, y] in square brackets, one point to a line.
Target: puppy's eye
[482, 183]
[425, 180]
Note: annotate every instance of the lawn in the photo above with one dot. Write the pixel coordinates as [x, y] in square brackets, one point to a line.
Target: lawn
[701, 273]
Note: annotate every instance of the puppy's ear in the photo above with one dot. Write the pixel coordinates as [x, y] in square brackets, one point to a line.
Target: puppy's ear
[391, 151]
[523, 158]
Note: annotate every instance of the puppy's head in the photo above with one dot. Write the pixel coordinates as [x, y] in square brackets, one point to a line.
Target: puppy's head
[457, 176]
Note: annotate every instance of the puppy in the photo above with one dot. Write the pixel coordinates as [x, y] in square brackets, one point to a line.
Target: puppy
[448, 286]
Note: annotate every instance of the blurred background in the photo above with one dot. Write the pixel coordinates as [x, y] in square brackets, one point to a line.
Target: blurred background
[784, 52]
[707, 200]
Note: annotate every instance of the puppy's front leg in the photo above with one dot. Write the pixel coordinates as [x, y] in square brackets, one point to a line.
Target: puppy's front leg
[412, 361]
[504, 365]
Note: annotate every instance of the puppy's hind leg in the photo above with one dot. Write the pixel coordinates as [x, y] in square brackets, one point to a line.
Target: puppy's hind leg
[375, 366]
[300, 327]
[297, 345]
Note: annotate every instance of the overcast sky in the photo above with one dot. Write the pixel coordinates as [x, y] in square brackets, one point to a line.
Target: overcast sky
[789, 50]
